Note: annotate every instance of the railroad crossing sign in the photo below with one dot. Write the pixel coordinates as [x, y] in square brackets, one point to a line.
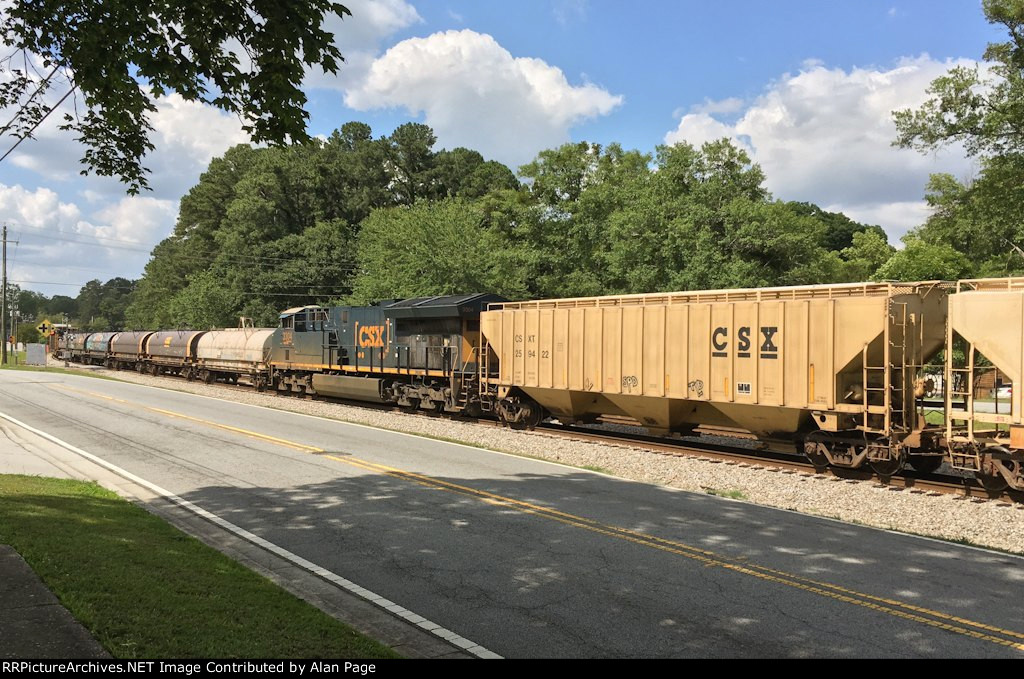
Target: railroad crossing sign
[46, 328]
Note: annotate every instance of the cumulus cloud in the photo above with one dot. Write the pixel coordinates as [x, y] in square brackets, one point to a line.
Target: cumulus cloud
[824, 136]
[359, 38]
[186, 136]
[60, 245]
[474, 93]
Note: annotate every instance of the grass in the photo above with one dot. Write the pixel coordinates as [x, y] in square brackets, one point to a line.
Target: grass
[144, 589]
[732, 494]
[20, 365]
[598, 469]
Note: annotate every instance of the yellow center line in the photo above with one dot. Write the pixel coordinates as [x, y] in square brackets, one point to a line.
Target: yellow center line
[892, 607]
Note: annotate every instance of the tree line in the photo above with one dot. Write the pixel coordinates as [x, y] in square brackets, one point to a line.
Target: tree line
[354, 219]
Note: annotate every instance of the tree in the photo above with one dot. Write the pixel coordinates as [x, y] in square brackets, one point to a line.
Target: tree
[247, 58]
[923, 261]
[983, 109]
[437, 248]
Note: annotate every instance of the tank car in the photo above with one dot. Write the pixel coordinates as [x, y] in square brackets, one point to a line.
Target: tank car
[832, 368]
[233, 353]
[172, 352]
[128, 350]
[97, 348]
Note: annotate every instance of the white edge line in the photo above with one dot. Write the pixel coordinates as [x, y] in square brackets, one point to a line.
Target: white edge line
[361, 592]
[946, 543]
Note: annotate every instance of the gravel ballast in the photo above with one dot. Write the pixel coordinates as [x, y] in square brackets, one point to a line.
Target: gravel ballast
[995, 524]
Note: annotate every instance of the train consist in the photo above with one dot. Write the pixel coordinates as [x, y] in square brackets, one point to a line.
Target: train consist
[853, 375]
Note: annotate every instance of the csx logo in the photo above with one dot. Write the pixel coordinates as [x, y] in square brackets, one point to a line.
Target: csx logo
[371, 336]
[720, 342]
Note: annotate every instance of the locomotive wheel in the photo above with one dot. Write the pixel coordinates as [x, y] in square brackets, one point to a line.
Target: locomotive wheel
[926, 464]
[413, 407]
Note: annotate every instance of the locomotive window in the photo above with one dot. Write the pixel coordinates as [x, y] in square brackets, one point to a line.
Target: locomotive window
[300, 324]
[286, 322]
[344, 316]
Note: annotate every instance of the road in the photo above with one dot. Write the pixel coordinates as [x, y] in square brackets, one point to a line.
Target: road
[532, 559]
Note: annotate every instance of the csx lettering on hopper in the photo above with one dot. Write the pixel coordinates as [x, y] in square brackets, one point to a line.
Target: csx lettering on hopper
[843, 372]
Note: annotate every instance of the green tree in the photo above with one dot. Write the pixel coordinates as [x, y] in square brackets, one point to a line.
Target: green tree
[122, 60]
[920, 260]
[982, 109]
[866, 254]
[27, 333]
[430, 248]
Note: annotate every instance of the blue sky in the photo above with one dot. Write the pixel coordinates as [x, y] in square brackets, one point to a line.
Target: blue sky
[807, 87]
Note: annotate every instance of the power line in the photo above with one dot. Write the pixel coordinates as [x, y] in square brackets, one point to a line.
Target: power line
[211, 256]
[42, 82]
[38, 123]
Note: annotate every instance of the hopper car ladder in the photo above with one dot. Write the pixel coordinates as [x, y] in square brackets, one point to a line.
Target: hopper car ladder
[966, 458]
[892, 373]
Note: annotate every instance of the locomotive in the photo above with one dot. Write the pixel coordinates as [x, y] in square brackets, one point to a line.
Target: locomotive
[880, 375]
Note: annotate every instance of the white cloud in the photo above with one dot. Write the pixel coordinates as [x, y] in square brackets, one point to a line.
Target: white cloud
[359, 38]
[824, 136]
[474, 93]
[57, 244]
[570, 11]
[186, 136]
[730, 105]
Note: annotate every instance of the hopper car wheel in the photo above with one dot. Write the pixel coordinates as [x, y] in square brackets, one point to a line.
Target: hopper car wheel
[814, 450]
[926, 464]
[887, 467]
[990, 478]
[530, 422]
[993, 483]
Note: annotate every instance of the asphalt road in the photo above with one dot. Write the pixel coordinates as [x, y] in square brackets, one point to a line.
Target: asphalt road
[531, 559]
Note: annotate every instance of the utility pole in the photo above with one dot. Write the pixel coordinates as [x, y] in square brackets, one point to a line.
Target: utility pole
[3, 304]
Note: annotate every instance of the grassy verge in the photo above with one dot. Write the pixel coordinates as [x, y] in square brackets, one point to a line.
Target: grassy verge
[146, 590]
[732, 494]
[48, 369]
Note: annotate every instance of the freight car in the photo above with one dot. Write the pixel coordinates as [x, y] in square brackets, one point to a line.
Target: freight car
[985, 337]
[830, 368]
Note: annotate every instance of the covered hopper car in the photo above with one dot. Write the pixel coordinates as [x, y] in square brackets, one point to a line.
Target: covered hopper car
[831, 368]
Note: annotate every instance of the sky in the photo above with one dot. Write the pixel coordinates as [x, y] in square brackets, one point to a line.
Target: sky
[807, 87]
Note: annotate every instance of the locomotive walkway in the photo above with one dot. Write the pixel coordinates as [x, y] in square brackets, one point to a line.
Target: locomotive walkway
[524, 558]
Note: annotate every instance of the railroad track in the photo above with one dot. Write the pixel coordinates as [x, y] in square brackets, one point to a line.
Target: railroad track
[753, 457]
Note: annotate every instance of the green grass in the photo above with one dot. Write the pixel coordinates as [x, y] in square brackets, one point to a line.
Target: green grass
[732, 494]
[596, 468]
[65, 371]
[144, 589]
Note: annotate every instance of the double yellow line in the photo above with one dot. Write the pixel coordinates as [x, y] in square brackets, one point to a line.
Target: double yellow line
[899, 609]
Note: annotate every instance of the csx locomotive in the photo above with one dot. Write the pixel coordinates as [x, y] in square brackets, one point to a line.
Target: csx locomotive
[871, 374]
